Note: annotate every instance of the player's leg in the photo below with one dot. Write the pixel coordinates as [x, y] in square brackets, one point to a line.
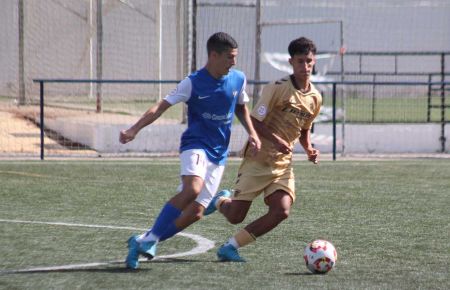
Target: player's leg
[194, 165]
[193, 169]
[279, 205]
[146, 243]
[279, 196]
[212, 207]
[191, 187]
[249, 185]
[251, 181]
[234, 211]
[191, 214]
[195, 209]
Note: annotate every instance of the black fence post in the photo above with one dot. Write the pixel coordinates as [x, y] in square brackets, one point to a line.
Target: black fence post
[41, 123]
[334, 121]
[373, 96]
[429, 98]
[443, 104]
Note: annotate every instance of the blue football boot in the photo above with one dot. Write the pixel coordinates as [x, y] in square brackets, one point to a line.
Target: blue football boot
[228, 253]
[132, 260]
[212, 205]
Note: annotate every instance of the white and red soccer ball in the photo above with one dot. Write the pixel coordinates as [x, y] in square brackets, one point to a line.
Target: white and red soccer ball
[320, 256]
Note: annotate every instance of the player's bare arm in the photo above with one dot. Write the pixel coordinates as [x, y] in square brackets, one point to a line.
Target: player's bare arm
[149, 117]
[262, 130]
[243, 114]
[305, 141]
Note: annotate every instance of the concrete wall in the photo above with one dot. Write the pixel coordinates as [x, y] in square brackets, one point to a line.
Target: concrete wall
[385, 138]
[104, 138]
[367, 138]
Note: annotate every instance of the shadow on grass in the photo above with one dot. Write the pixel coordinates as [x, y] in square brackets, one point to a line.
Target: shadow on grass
[299, 274]
[107, 267]
[86, 270]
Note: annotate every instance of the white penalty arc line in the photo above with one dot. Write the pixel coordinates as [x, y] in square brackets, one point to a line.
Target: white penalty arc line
[203, 245]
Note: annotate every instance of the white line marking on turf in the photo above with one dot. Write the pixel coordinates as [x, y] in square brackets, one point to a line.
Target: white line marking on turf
[203, 245]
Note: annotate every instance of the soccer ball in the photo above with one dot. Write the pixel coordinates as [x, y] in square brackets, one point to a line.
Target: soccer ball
[320, 256]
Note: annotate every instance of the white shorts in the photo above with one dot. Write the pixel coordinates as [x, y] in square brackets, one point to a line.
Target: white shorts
[195, 162]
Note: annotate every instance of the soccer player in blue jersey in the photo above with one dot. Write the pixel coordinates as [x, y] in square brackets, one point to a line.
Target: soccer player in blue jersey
[213, 95]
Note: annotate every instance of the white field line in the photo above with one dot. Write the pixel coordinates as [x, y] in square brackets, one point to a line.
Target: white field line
[106, 161]
[203, 245]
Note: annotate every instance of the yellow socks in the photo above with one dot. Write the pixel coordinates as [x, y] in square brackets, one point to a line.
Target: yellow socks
[219, 202]
[243, 238]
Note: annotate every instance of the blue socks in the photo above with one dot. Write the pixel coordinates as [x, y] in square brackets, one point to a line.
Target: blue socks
[170, 232]
[166, 219]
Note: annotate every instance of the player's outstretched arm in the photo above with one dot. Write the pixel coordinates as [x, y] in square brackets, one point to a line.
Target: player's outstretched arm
[149, 117]
[243, 115]
[305, 141]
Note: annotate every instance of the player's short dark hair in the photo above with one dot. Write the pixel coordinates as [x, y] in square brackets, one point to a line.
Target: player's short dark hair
[301, 45]
[220, 42]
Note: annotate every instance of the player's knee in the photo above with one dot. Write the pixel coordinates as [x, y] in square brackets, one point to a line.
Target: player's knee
[235, 218]
[280, 214]
[191, 191]
[196, 215]
[190, 194]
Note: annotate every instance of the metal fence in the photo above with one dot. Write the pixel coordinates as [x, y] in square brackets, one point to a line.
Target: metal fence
[341, 112]
[139, 39]
[358, 41]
